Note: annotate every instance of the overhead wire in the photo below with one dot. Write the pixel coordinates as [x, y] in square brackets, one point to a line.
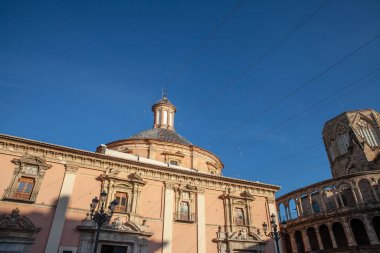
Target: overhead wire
[278, 125]
[299, 88]
[264, 55]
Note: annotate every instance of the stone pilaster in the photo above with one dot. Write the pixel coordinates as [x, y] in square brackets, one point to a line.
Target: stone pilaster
[60, 212]
[347, 230]
[370, 231]
[168, 219]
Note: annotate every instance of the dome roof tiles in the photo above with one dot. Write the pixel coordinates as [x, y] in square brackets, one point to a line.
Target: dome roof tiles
[162, 135]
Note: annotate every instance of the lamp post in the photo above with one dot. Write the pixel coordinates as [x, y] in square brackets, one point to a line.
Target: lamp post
[101, 216]
[274, 232]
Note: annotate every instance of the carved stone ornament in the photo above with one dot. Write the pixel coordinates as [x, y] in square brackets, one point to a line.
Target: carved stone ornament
[136, 178]
[246, 194]
[14, 221]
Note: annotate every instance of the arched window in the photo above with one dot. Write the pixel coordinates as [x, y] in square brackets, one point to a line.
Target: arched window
[312, 239]
[340, 236]
[376, 225]
[316, 208]
[367, 132]
[359, 232]
[342, 143]
[366, 191]
[288, 243]
[299, 242]
[325, 237]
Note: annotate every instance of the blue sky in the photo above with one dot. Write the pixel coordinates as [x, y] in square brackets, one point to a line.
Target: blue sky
[253, 81]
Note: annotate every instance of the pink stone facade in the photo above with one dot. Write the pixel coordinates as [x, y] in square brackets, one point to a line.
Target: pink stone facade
[164, 207]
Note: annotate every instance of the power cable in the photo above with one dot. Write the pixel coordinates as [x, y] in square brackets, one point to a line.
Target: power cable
[264, 55]
[298, 89]
[312, 106]
[203, 44]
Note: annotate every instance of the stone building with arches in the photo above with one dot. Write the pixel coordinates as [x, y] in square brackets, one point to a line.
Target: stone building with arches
[341, 214]
[171, 196]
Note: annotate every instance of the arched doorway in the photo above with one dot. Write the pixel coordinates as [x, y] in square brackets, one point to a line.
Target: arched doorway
[313, 240]
[376, 225]
[340, 236]
[299, 242]
[288, 244]
[325, 237]
[360, 234]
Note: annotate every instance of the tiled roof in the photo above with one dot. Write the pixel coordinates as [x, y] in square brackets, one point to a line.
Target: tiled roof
[162, 135]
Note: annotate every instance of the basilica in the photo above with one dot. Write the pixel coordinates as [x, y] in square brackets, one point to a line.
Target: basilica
[159, 192]
[341, 214]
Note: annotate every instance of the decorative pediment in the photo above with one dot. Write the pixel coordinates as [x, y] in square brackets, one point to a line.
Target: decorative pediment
[33, 160]
[190, 187]
[14, 221]
[246, 194]
[136, 178]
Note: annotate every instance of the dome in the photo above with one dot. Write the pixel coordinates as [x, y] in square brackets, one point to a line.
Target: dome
[161, 134]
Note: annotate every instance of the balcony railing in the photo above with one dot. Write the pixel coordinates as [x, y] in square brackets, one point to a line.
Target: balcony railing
[358, 207]
[14, 194]
[184, 216]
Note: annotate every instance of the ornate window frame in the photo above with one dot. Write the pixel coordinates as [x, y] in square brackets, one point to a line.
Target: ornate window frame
[173, 156]
[113, 184]
[188, 195]
[31, 167]
[233, 202]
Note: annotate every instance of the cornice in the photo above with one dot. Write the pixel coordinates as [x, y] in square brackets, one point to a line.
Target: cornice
[61, 154]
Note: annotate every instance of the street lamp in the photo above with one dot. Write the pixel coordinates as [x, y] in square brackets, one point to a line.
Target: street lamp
[274, 232]
[101, 216]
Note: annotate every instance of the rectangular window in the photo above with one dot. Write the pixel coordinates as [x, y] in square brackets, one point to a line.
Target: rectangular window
[24, 188]
[122, 200]
[184, 211]
[172, 162]
[239, 216]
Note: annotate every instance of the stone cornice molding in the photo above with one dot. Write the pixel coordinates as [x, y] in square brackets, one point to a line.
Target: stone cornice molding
[96, 161]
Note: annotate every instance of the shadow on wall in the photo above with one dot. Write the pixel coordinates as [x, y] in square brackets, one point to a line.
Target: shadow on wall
[270, 246]
[42, 216]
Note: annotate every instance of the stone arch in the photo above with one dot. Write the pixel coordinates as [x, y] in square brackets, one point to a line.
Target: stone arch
[313, 240]
[345, 191]
[325, 236]
[366, 190]
[328, 197]
[376, 187]
[288, 244]
[339, 234]
[293, 209]
[359, 231]
[299, 241]
[282, 212]
[304, 201]
[376, 225]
